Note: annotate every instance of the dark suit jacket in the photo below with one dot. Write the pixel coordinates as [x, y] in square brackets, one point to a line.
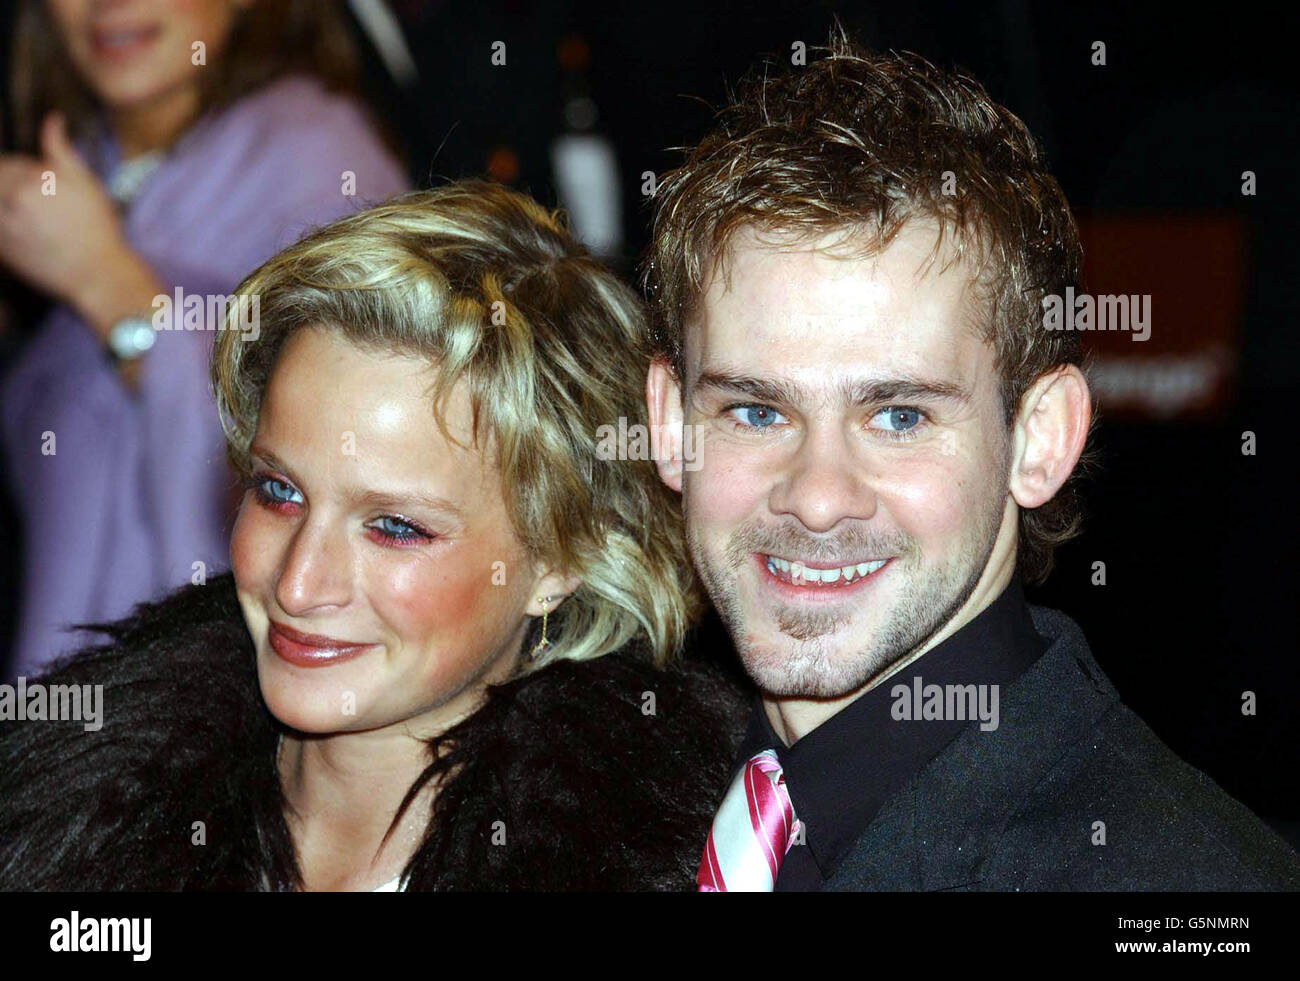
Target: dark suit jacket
[1014, 808]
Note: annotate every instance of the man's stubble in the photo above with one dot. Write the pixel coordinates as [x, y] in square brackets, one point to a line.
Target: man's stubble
[806, 666]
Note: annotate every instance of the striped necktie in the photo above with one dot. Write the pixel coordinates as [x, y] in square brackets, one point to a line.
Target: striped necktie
[754, 827]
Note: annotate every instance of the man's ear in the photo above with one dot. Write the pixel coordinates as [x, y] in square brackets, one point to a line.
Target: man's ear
[663, 397]
[1051, 429]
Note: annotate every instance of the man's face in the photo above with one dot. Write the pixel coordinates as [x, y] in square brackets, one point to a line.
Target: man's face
[854, 458]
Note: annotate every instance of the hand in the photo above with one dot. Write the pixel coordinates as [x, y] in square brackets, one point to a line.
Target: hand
[62, 242]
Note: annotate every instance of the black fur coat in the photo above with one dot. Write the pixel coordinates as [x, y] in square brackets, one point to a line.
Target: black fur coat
[594, 793]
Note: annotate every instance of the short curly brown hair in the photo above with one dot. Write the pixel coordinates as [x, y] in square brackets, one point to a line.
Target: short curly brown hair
[864, 143]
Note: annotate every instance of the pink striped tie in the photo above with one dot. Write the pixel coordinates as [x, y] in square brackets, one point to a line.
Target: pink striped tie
[754, 827]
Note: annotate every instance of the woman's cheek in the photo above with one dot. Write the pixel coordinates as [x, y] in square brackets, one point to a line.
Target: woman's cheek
[455, 614]
[253, 544]
[442, 599]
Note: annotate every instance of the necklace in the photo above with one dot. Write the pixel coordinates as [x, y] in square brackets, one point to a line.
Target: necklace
[129, 176]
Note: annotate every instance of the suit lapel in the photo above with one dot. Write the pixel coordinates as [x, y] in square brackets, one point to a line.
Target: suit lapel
[939, 830]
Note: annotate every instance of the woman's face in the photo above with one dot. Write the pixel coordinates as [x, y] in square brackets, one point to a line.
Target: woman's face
[137, 52]
[367, 529]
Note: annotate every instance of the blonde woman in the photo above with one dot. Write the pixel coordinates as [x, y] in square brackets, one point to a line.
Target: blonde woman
[438, 662]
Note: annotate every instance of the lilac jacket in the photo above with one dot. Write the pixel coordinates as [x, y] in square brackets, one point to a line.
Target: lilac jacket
[137, 490]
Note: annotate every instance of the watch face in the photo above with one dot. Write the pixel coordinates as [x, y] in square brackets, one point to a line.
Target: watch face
[142, 336]
[130, 338]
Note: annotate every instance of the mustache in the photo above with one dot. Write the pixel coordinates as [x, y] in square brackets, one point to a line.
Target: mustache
[853, 540]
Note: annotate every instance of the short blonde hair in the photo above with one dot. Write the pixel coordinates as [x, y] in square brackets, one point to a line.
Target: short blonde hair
[492, 289]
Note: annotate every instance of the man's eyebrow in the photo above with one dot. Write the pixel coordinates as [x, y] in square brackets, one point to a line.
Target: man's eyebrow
[906, 389]
[762, 389]
[374, 497]
[862, 393]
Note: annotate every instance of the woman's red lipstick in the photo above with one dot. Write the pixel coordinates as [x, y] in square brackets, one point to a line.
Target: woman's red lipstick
[311, 650]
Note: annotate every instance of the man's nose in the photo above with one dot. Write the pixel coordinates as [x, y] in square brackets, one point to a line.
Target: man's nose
[317, 570]
[826, 480]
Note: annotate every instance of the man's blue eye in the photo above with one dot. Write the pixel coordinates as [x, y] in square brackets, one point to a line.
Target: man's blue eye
[756, 416]
[900, 419]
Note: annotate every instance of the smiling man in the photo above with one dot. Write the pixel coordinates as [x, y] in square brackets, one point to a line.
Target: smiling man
[848, 275]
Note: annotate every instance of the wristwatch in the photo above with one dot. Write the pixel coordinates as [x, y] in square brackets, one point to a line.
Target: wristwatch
[129, 338]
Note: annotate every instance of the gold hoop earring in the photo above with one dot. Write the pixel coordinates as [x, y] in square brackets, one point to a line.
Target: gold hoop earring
[543, 645]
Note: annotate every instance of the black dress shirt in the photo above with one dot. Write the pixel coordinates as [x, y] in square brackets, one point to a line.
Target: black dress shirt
[841, 774]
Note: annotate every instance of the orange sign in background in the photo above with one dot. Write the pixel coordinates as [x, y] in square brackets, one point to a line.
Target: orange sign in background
[1193, 267]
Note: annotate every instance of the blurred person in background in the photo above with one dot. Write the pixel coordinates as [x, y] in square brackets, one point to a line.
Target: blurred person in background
[166, 150]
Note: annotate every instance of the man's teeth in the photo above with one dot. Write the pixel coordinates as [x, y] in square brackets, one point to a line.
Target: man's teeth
[800, 573]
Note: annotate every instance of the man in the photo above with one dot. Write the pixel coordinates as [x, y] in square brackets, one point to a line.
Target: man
[848, 275]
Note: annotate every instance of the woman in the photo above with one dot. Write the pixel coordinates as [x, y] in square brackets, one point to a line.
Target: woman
[434, 665]
[168, 149]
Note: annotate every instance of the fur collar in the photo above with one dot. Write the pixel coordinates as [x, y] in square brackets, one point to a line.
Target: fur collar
[590, 792]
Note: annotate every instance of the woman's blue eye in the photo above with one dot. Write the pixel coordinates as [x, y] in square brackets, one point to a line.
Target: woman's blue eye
[278, 491]
[899, 420]
[397, 528]
[755, 416]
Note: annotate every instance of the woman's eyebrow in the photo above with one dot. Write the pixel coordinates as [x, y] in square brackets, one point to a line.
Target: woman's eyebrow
[382, 498]
[270, 458]
[374, 497]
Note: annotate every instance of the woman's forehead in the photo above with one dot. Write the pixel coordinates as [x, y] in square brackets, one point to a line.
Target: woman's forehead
[334, 401]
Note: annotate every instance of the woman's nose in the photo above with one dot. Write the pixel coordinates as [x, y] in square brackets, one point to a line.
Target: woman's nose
[317, 570]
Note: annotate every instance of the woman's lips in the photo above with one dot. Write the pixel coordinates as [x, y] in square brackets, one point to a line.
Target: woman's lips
[311, 650]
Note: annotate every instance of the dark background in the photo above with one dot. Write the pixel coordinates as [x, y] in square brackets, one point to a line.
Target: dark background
[1200, 599]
